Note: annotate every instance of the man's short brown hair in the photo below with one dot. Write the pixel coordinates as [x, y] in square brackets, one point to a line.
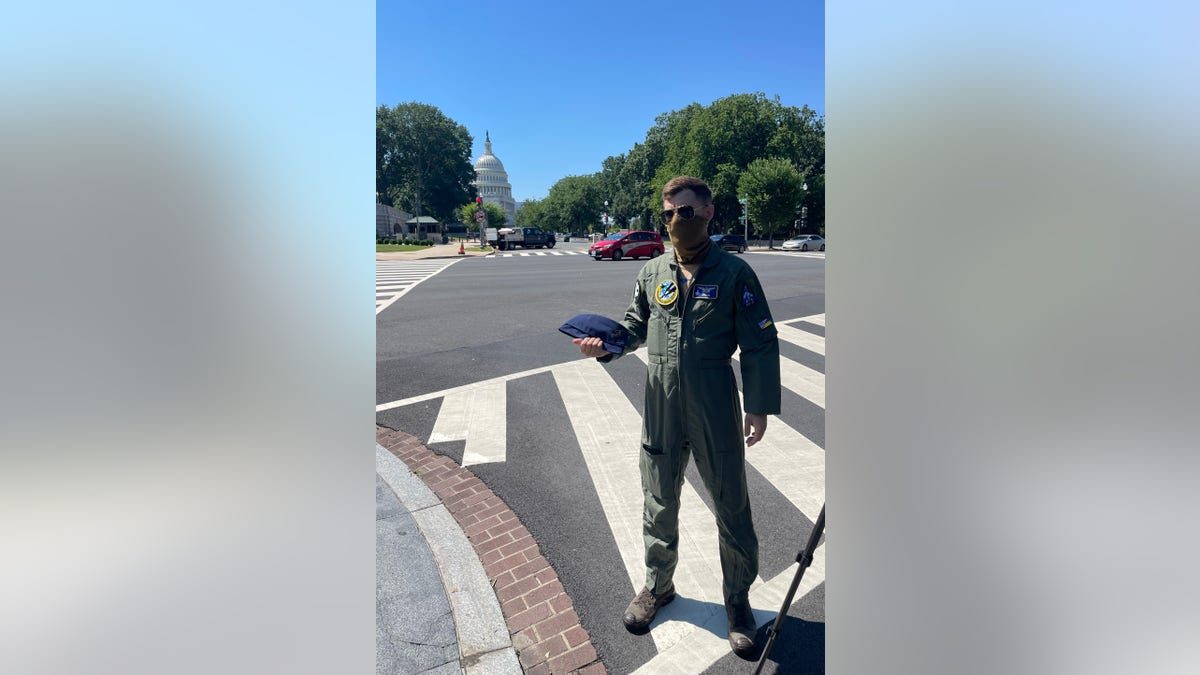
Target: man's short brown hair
[680, 183]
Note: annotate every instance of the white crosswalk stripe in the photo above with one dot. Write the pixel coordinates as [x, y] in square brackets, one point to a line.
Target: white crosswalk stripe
[688, 636]
[801, 338]
[794, 254]
[510, 254]
[394, 278]
[476, 416]
[611, 452]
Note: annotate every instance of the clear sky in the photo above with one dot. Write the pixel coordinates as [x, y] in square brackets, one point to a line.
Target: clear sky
[562, 85]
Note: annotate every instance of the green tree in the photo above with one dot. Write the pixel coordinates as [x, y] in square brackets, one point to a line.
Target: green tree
[774, 191]
[574, 204]
[423, 160]
[531, 215]
[496, 216]
[718, 142]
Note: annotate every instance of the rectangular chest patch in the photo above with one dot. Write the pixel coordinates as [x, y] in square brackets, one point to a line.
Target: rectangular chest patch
[709, 292]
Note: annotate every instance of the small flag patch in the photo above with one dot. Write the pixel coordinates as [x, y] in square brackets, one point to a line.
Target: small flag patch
[764, 324]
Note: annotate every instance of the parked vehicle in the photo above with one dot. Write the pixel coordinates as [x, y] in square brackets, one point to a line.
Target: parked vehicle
[805, 242]
[628, 244]
[524, 237]
[734, 243]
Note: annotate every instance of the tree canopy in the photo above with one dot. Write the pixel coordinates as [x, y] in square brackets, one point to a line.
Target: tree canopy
[423, 160]
[717, 143]
[496, 216]
[774, 191]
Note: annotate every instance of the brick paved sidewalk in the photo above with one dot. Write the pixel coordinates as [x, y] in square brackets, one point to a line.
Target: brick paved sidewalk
[541, 617]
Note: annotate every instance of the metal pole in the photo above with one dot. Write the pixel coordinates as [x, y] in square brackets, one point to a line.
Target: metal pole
[805, 558]
[745, 220]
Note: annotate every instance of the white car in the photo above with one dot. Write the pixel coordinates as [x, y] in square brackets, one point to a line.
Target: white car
[805, 242]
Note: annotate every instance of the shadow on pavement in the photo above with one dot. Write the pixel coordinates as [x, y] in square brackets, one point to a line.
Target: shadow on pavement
[799, 649]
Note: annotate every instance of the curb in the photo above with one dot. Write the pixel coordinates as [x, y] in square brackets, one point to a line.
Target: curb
[481, 638]
[541, 619]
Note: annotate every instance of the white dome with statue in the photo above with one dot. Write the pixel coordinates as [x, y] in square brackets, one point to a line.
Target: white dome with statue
[491, 181]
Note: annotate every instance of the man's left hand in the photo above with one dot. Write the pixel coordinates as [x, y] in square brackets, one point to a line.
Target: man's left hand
[754, 428]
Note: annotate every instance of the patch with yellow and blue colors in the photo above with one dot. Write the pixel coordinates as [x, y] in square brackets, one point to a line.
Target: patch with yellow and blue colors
[709, 292]
[748, 297]
[666, 293]
[765, 324]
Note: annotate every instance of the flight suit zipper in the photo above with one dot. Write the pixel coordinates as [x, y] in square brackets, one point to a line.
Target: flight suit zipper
[685, 293]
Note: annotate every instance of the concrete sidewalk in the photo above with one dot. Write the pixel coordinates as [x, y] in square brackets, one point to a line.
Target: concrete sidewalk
[461, 585]
[435, 251]
[435, 611]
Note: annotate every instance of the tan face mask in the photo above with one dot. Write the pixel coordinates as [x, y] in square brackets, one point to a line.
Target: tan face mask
[689, 237]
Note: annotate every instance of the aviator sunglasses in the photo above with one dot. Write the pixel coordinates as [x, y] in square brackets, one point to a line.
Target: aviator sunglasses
[684, 212]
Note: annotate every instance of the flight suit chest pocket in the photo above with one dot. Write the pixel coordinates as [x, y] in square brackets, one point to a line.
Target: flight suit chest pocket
[706, 303]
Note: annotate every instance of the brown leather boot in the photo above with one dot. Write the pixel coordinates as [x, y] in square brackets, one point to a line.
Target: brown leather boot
[641, 611]
[742, 627]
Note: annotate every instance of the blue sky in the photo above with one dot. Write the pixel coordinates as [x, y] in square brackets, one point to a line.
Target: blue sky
[562, 85]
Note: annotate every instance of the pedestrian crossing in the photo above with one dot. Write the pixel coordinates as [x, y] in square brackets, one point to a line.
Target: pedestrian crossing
[526, 254]
[394, 278]
[794, 254]
[602, 413]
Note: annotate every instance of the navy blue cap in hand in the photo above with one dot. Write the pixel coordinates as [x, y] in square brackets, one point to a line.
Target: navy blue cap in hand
[593, 325]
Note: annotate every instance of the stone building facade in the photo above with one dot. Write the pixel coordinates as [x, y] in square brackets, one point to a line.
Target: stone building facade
[389, 221]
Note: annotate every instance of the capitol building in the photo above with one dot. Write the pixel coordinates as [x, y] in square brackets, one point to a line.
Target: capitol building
[491, 182]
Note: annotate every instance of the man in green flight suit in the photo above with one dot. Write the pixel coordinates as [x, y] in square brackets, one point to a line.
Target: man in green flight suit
[693, 310]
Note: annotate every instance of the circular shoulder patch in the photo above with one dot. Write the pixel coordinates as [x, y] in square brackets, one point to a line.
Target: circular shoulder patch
[666, 293]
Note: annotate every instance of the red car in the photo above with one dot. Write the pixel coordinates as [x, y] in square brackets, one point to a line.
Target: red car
[628, 244]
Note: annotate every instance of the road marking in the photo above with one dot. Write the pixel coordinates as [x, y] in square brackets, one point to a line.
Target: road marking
[612, 451]
[800, 338]
[799, 379]
[815, 319]
[509, 255]
[792, 463]
[466, 387]
[802, 380]
[709, 642]
[487, 425]
[794, 254]
[408, 272]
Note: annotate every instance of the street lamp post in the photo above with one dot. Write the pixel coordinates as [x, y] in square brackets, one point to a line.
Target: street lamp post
[803, 209]
[605, 215]
[745, 221]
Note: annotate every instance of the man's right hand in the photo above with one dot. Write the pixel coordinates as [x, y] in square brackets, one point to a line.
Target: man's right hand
[590, 346]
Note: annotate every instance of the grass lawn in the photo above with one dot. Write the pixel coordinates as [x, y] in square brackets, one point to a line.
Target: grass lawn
[381, 248]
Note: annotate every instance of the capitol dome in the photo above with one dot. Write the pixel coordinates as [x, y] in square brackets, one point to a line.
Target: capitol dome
[491, 182]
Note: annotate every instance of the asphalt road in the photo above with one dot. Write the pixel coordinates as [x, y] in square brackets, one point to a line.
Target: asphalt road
[488, 319]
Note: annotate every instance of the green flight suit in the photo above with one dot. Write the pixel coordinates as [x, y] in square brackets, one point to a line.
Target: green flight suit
[692, 402]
